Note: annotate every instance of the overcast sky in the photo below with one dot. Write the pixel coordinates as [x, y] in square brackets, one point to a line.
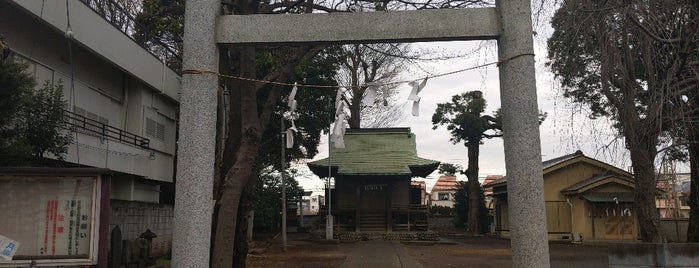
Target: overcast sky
[565, 130]
[558, 135]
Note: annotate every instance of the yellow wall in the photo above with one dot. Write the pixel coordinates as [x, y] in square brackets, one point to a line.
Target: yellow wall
[558, 211]
[557, 217]
[562, 178]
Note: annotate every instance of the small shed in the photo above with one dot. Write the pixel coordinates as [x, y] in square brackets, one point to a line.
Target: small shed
[372, 180]
[586, 199]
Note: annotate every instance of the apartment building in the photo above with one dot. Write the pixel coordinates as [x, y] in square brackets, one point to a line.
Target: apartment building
[122, 101]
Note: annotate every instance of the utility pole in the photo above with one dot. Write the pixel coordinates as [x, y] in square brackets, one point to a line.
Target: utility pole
[283, 171]
[329, 220]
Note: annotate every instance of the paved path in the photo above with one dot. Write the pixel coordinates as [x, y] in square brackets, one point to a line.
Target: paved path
[366, 254]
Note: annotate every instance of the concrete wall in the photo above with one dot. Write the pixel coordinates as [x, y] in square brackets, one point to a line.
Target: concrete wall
[103, 88]
[98, 83]
[674, 230]
[653, 255]
[134, 218]
[96, 34]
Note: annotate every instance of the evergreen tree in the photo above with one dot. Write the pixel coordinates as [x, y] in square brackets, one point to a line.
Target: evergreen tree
[461, 206]
[464, 118]
[15, 86]
[630, 62]
[266, 203]
[31, 120]
[45, 127]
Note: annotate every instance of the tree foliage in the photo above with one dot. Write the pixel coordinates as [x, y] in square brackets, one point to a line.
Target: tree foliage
[249, 113]
[118, 12]
[449, 169]
[259, 110]
[45, 126]
[31, 120]
[249, 108]
[266, 200]
[375, 66]
[628, 60]
[462, 198]
[161, 22]
[464, 119]
[15, 86]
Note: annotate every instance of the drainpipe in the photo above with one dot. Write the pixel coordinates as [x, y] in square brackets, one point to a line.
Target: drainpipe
[572, 231]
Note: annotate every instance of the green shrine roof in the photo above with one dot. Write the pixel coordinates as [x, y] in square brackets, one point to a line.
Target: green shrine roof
[375, 152]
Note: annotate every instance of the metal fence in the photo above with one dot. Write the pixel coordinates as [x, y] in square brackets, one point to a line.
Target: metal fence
[86, 125]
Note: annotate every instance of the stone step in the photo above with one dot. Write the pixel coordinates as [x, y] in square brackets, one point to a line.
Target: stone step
[372, 219]
[372, 224]
[373, 229]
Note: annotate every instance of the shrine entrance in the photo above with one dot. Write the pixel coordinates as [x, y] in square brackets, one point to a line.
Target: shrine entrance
[509, 23]
[372, 208]
[372, 179]
[373, 197]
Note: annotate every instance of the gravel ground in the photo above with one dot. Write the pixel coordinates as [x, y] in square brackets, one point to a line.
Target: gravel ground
[480, 251]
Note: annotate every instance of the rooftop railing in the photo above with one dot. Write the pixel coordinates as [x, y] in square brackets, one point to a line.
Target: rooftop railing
[86, 125]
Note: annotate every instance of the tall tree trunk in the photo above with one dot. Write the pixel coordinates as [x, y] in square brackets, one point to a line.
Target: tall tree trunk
[473, 221]
[226, 222]
[355, 120]
[693, 228]
[642, 159]
[237, 177]
[247, 124]
[241, 238]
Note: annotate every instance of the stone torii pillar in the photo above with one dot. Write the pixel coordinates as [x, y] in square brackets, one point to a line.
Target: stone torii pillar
[509, 23]
[191, 238]
[520, 123]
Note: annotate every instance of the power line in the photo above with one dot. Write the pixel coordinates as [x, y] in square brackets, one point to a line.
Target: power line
[496, 63]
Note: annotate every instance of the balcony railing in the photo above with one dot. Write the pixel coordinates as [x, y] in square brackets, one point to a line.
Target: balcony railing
[86, 125]
[124, 21]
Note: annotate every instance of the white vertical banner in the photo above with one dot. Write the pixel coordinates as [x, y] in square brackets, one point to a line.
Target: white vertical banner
[417, 87]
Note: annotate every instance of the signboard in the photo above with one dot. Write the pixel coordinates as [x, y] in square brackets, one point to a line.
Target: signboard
[8, 247]
[52, 217]
[64, 226]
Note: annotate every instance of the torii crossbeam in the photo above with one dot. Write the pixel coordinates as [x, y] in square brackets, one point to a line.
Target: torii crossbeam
[509, 23]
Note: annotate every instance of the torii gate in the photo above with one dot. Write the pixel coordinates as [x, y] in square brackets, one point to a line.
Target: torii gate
[509, 23]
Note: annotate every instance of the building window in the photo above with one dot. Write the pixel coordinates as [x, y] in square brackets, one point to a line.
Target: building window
[93, 125]
[684, 201]
[155, 129]
[444, 196]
